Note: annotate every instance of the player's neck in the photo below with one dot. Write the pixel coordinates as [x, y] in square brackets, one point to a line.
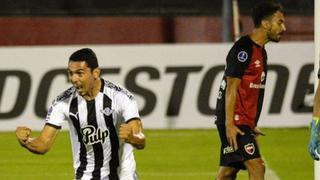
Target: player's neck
[259, 36]
[94, 91]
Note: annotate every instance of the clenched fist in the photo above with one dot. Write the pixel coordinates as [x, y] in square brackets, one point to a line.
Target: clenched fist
[131, 132]
[23, 134]
[125, 132]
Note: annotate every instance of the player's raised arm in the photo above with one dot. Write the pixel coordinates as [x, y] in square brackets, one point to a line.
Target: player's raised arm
[132, 132]
[37, 145]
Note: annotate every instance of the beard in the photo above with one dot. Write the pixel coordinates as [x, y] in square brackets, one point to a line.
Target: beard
[274, 37]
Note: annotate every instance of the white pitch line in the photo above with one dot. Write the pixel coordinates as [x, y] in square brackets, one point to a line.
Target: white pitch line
[270, 174]
[177, 174]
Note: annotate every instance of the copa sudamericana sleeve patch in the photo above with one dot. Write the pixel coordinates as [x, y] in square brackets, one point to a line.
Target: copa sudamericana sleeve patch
[242, 56]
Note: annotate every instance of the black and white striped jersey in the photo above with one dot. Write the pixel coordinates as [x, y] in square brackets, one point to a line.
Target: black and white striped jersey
[97, 151]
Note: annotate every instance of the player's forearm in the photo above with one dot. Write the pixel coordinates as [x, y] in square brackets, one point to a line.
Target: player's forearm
[138, 141]
[139, 144]
[231, 96]
[37, 146]
[230, 104]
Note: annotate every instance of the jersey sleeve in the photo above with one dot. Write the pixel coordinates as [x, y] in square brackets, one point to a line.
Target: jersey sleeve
[128, 107]
[56, 115]
[238, 60]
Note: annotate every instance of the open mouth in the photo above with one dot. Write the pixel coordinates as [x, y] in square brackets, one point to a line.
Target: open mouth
[78, 88]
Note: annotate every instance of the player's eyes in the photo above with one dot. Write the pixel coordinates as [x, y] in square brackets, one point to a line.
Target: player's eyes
[80, 74]
[280, 22]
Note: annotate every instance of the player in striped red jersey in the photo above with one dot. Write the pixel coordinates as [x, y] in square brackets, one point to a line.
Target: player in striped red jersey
[241, 94]
[103, 119]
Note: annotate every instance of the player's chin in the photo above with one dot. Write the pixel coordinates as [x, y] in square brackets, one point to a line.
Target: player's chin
[81, 92]
[276, 39]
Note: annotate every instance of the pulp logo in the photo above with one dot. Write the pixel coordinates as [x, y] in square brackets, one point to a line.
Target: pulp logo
[91, 135]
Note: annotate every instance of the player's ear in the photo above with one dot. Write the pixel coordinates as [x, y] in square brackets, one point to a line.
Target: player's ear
[96, 73]
[265, 24]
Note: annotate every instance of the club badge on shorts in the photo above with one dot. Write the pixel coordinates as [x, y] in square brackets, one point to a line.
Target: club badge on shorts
[249, 148]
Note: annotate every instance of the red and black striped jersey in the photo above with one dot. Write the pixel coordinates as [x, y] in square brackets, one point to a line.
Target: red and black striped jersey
[247, 61]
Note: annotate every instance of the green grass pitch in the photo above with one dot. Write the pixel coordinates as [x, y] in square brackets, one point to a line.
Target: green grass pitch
[169, 155]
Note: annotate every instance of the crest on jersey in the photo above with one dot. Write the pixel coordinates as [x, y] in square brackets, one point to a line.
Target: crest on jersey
[242, 56]
[249, 148]
[107, 111]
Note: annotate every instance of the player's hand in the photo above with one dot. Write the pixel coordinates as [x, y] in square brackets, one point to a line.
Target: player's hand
[23, 134]
[314, 143]
[231, 132]
[258, 132]
[125, 132]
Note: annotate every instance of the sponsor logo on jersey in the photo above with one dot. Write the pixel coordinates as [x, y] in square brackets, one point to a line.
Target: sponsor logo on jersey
[91, 135]
[74, 115]
[259, 86]
[257, 63]
[249, 148]
[107, 111]
[228, 150]
[256, 86]
[242, 56]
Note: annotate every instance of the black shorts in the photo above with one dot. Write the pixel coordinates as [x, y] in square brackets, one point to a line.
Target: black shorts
[247, 148]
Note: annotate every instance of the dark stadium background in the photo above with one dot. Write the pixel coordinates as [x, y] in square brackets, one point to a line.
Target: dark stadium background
[63, 22]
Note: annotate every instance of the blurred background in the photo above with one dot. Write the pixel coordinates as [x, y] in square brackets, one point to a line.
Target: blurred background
[61, 22]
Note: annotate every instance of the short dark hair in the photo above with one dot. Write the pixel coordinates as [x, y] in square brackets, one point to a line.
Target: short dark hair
[264, 9]
[87, 55]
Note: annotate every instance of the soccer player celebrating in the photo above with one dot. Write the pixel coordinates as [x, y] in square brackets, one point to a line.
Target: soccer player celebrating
[103, 120]
[241, 94]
